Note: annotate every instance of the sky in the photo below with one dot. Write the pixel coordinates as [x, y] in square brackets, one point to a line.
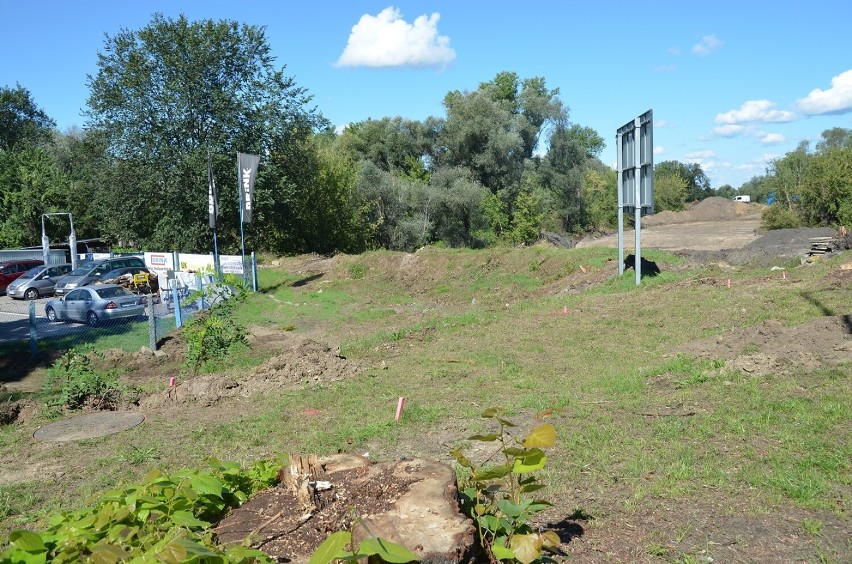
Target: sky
[732, 85]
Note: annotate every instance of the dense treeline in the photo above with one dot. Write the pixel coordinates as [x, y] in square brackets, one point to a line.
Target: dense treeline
[504, 163]
[808, 187]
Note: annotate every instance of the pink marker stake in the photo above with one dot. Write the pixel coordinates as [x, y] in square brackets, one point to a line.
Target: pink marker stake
[729, 282]
[172, 382]
[399, 406]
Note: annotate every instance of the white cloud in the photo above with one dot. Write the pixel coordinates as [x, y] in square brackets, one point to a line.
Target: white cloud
[731, 130]
[707, 45]
[661, 123]
[658, 150]
[674, 51]
[666, 68]
[699, 155]
[835, 100]
[387, 40]
[771, 138]
[756, 111]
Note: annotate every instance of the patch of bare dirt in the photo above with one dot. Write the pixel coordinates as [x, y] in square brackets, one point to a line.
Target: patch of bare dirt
[302, 364]
[770, 347]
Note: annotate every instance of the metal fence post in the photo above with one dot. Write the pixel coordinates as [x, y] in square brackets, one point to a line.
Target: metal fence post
[176, 301]
[33, 332]
[152, 324]
[253, 271]
[199, 281]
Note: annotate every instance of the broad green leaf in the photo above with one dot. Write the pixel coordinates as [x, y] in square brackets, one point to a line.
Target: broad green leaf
[509, 508]
[27, 541]
[532, 488]
[506, 422]
[501, 552]
[108, 554]
[387, 551]
[529, 464]
[461, 459]
[181, 549]
[489, 522]
[327, 551]
[492, 412]
[515, 451]
[539, 505]
[526, 548]
[543, 436]
[204, 483]
[187, 519]
[490, 473]
[486, 438]
[550, 539]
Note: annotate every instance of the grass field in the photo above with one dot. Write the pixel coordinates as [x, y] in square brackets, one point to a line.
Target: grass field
[662, 456]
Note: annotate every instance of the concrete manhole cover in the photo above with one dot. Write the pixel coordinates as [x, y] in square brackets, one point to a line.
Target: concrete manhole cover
[89, 426]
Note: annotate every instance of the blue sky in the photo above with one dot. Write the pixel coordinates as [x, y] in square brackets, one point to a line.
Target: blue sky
[732, 84]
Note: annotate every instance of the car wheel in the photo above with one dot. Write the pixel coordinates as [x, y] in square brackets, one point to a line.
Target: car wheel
[92, 319]
[51, 315]
[31, 294]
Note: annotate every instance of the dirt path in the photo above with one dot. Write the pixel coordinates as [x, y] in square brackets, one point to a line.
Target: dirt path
[694, 236]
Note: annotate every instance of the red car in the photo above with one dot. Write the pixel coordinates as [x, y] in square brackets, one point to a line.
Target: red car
[10, 270]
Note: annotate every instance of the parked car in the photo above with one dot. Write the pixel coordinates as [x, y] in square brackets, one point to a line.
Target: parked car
[89, 272]
[11, 270]
[95, 304]
[37, 282]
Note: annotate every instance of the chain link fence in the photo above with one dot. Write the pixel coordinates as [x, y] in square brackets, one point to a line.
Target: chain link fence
[27, 322]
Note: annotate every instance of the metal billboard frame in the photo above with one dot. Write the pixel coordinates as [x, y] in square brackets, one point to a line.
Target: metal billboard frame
[635, 160]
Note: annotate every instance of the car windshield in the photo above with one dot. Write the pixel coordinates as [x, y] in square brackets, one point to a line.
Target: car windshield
[113, 292]
[81, 270]
[31, 273]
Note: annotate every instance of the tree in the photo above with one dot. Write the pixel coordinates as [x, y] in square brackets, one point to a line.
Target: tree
[835, 138]
[22, 122]
[493, 130]
[697, 183]
[167, 95]
[726, 191]
[670, 190]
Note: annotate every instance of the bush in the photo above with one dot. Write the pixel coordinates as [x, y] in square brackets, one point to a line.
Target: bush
[778, 216]
[76, 383]
[212, 334]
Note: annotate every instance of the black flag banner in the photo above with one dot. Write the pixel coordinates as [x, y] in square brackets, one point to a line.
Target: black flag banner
[213, 205]
[247, 167]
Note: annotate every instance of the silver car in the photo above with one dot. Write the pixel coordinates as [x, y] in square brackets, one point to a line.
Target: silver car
[89, 272]
[37, 282]
[95, 304]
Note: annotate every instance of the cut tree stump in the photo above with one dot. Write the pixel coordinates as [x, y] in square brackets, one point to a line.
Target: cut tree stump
[409, 502]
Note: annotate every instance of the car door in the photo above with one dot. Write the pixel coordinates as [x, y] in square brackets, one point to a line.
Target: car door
[47, 280]
[75, 304]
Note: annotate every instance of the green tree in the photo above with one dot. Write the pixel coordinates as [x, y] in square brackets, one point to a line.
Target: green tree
[670, 191]
[697, 183]
[826, 189]
[170, 93]
[726, 191]
[32, 185]
[600, 197]
[22, 122]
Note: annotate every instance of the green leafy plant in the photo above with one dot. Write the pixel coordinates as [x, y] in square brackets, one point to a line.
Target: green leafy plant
[75, 382]
[212, 334]
[166, 518]
[496, 496]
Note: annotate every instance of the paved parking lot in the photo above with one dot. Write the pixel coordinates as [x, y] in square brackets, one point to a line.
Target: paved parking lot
[15, 323]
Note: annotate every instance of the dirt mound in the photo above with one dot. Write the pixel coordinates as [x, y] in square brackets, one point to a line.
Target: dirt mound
[710, 209]
[770, 347]
[306, 363]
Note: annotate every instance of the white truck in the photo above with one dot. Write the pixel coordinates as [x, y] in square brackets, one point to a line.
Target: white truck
[746, 199]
